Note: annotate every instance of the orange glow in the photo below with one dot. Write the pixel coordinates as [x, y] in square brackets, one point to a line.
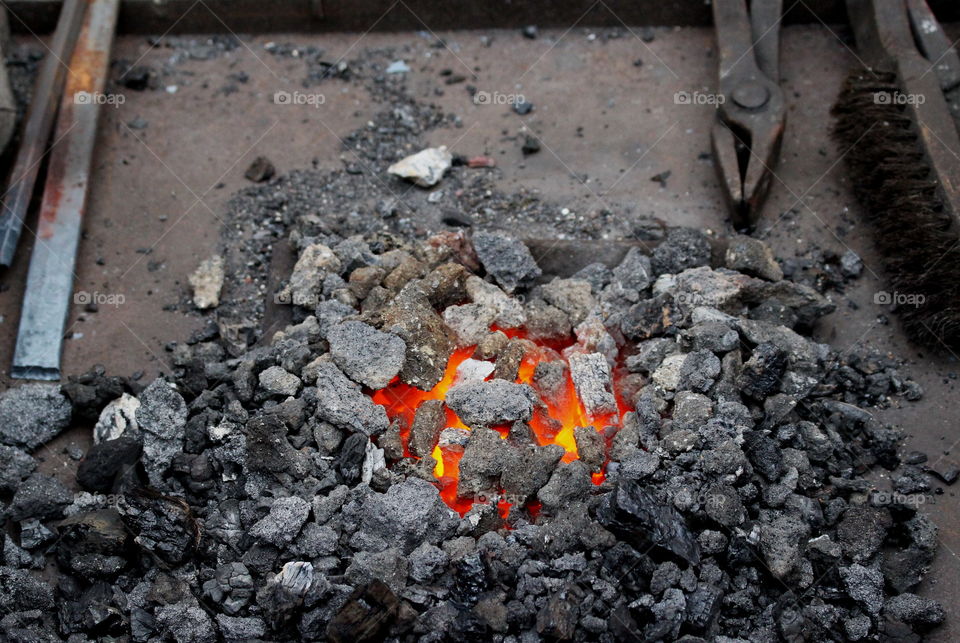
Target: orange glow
[555, 425]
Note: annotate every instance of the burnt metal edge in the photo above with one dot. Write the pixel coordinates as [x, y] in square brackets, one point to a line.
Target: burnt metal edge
[250, 16]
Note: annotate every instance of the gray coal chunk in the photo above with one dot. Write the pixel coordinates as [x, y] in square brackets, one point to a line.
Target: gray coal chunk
[635, 271]
[764, 454]
[914, 610]
[638, 466]
[780, 540]
[277, 381]
[591, 378]
[569, 484]
[712, 336]
[426, 562]
[722, 503]
[550, 380]
[598, 274]
[752, 257]
[484, 404]
[267, 447]
[21, 591]
[865, 586]
[162, 525]
[637, 516]
[15, 465]
[162, 418]
[862, 531]
[482, 464]
[429, 341]
[365, 354]
[331, 312]
[241, 628]
[408, 514]
[342, 403]
[185, 622]
[389, 566]
[572, 296]
[428, 421]
[506, 259]
[591, 448]
[650, 354]
[699, 371]
[683, 248]
[545, 321]
[33, 414]
[526, 474]
[284, 521]
[39, 496]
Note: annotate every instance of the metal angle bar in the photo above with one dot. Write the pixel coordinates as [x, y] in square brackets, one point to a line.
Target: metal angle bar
[36, 131]
[50, 280]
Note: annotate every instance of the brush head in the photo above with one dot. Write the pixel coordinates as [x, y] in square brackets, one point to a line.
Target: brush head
[893, 181]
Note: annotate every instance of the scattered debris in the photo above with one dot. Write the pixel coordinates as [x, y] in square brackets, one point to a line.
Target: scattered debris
[425, 168]
[207, 281]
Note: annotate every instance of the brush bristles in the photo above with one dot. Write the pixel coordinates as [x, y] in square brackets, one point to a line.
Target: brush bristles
[892, 179]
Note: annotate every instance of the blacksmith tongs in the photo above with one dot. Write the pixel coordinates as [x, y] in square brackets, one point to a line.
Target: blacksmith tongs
[750, 112]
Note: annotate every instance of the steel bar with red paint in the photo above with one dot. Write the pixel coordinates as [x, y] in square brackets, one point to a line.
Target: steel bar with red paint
[36, 131]
[50, 280]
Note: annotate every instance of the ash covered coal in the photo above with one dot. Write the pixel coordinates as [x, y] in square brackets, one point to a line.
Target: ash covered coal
[290, 491]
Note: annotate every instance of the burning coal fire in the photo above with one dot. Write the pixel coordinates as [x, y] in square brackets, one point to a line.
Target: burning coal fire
[553, 421]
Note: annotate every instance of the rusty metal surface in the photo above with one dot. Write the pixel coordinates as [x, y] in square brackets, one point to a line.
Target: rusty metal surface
[36, 132]
[50, 280]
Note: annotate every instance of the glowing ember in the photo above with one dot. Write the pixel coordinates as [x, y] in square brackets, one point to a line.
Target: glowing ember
[555, 426]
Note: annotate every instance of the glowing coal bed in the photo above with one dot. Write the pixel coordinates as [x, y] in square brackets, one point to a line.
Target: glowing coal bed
[554, 418]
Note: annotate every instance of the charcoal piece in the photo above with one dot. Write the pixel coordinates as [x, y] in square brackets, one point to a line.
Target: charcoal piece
[21, 591]
[668, 616]
[429, 341]
[599, 275]
[162, 418]
[703, 605]
[640, 518]
[447, 285]
[691, 411]
[558, 617]
[573, 296]
[241, 628]
[722, 503]
[482, 464]
[650, 354]
[864, 585]
[506, 259]
[753, 257]
[914, 610]
[780, 543]
[232, 587]
[637, 466]
[713, 336]
[93, 543]
[635, 271]
[366, 355]
[428, 421]
[510, 310]
[485, 404]
[283, 594]
[267, 448]
[106, 463]
[469, 322]
[648, 318]
[366, 615]
[39, 496]
[591, 449]
[862, 530]
[471, 579]
[593, 382]
[490, 345]
[545, 321]
[15, 465]
[526, 474]
[277, 381]
[349, 461]
[761, 373]
[162, 525]
[911, 480]
[507, 366]
[389, 565]
[904, 569]
[409, 513]
[550, 380]
[569, 484]
[426, 562]
[764, 454]
[342, 403]
[683, 248]
[33, 414]
[284, 521]
[698, 371]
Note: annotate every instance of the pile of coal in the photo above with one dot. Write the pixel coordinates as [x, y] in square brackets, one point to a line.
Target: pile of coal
[261, 494]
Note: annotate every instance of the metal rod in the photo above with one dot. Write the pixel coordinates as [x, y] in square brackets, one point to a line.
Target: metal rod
[50, 280]
[36, 132]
